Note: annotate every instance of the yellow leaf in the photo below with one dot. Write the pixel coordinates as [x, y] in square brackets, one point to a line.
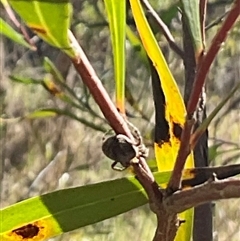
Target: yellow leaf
[170, 110]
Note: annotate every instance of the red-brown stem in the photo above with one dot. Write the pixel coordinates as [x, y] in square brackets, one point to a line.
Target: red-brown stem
[184, 150]
[206, 192]
[141, 169]
[210, 56]
[99, 93]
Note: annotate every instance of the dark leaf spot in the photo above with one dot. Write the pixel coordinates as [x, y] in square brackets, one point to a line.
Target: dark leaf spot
[177, 130]
[28, 231]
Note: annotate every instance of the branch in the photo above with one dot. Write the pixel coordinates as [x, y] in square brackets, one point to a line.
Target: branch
[216, 21]
[210, 56]
[99, 93]
[184, 149]
[207, 192]
[166, 32]
[119, 125]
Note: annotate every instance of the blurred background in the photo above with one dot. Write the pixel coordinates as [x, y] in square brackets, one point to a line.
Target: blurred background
[40, 155]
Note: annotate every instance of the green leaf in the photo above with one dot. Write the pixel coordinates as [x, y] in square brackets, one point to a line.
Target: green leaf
[116, 11]
[51, 68]
[51, 112]
[50, 20]
[9, 32]
[23, 80]
[191, 11]
[65, 210]
[41, 114]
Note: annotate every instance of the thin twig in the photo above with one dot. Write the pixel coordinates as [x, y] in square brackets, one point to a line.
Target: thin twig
[166, 32]
[217, 21]
[210, 56]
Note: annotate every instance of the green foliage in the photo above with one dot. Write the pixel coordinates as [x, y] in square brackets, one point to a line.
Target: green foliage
[58, 13]
[69, 209]
[116, 11]
[72, 208]
[191, 12]
[9, 32]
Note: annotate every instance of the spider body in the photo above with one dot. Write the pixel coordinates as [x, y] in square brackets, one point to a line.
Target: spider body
[122, 150]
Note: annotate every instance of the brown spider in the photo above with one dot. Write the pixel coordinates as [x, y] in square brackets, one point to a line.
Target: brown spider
[122, 150]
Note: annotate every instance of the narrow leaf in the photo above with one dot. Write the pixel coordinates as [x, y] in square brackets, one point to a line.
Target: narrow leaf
[50, 20]
[116, 11]
[65, 210]
[169, 107]
[23, 80]
[51, 214]
[51, 112]
[9, 32]
[41, 114]
[192, 12]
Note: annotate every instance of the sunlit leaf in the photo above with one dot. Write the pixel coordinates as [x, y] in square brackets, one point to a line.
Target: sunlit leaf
[9, 32]
[41, 114]
[169, 107]
[116, 11]
[50, 20]
[61, 211]
[65, 210]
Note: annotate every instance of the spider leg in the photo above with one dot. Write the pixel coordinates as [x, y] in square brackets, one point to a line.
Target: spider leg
[136, 133]
[115, 168]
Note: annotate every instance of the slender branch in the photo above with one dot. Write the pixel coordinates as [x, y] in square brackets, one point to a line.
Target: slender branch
[115, 119]
[166, 32]
[99, 93]
[207, 192]
[119, 125]
[210, 56]
[217, 21]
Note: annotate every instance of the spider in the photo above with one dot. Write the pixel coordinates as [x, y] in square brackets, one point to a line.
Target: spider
[122, 150]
